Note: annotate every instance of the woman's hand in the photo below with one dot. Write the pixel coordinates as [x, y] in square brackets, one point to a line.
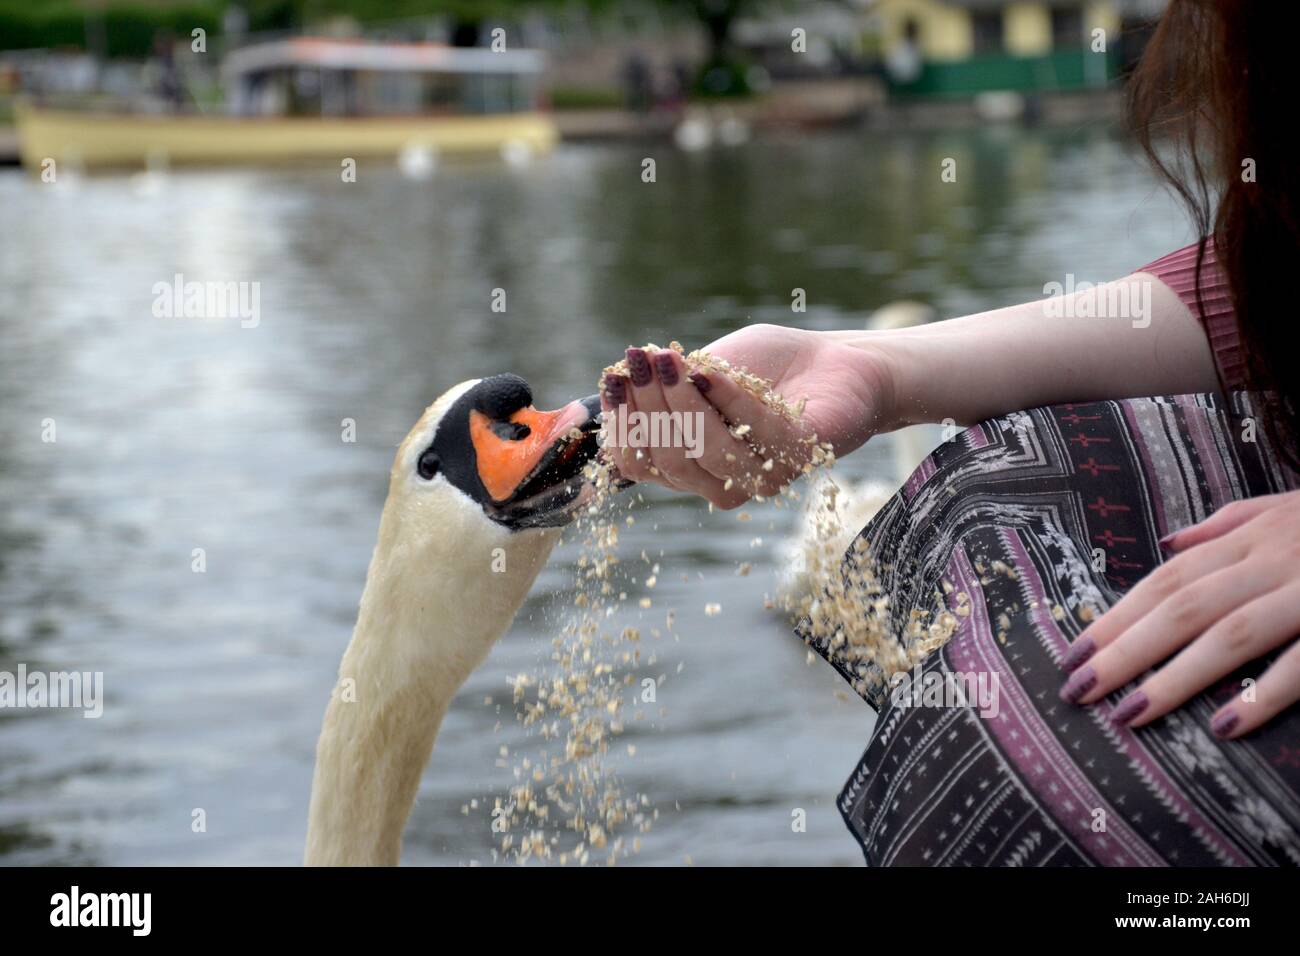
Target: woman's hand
[845, 389]
[1230, 595]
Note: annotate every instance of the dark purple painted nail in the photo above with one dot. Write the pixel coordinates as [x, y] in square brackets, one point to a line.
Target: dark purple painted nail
[700, 381]
[1130, 707]
[1080, 682]
[639, 365]
[665, 368]
[615, 389]
[1225, 723]
[1079, 652]
[1167, 542]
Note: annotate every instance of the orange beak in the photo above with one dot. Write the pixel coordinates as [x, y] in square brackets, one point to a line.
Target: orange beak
[505, 464]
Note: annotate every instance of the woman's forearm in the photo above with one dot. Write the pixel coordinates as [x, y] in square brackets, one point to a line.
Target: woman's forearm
[1046, 352]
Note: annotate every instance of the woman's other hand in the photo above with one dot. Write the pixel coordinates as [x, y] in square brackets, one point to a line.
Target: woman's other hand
[845, 390]
[1230, 594]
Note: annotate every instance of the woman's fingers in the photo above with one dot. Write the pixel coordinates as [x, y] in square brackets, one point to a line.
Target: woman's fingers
[1170, 579]
[675, 430]
[633, 442]
[1227, 518]
[1240, 637]
[650, 403]
[773, 436]
[649, 449]
[669, 439]
[1273, 693]
[1230, 596]
[618, 404]
[1177, 620]
[717, 451]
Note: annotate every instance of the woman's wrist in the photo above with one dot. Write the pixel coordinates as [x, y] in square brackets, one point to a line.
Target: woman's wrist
[888, 357]
[968, 369]
[962, 371]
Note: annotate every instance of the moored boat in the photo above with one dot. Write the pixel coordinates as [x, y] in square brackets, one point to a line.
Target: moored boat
[306, 98]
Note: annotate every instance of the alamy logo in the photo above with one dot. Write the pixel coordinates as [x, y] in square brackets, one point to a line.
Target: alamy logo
[179, 299]
[36, 690]
[74, 908]
[935, 688]
[636, 429]
[1107, 300]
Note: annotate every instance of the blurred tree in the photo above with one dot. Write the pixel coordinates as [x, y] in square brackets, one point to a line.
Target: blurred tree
[130, 24]
[467, 16]
[718, 17]
[723, 74]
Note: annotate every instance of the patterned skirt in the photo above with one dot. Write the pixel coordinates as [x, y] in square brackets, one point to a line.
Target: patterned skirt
[1068, 503]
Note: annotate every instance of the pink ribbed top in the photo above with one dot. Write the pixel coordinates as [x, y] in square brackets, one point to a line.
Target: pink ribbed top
[1178, 271]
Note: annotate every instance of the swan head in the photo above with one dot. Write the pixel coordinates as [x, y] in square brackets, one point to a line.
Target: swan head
[483, 451]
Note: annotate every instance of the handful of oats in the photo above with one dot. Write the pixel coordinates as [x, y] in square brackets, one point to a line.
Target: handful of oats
[567, 804]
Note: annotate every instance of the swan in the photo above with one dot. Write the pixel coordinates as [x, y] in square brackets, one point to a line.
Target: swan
[477, 493]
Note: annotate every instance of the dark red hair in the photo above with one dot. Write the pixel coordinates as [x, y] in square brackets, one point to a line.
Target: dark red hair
[1210, 101]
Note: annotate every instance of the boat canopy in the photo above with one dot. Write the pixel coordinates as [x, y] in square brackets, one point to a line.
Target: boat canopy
[308, 76]
[330, 54]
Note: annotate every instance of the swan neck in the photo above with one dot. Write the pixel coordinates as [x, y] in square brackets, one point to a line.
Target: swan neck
[416, 641]
[368, 767]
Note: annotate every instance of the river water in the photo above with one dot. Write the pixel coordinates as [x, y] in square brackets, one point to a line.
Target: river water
[178, 434]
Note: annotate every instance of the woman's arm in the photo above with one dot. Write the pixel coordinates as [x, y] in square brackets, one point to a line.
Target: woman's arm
[1045, 352]
[1229, 594]
[855, 384]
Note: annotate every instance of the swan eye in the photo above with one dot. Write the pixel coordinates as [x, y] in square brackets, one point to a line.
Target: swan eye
[428, 465]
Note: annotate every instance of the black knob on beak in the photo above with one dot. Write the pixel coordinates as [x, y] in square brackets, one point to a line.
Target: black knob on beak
[592, 404]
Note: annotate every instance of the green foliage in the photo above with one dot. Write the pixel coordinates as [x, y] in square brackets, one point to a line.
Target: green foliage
[723, 79]
[129, 26]
[303, 12]
[128, 29]
[583, 98]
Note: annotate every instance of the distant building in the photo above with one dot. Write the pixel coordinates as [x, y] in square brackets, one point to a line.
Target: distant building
[966, 47]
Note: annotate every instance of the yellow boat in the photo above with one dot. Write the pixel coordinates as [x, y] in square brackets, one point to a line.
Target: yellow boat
[314, 99]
